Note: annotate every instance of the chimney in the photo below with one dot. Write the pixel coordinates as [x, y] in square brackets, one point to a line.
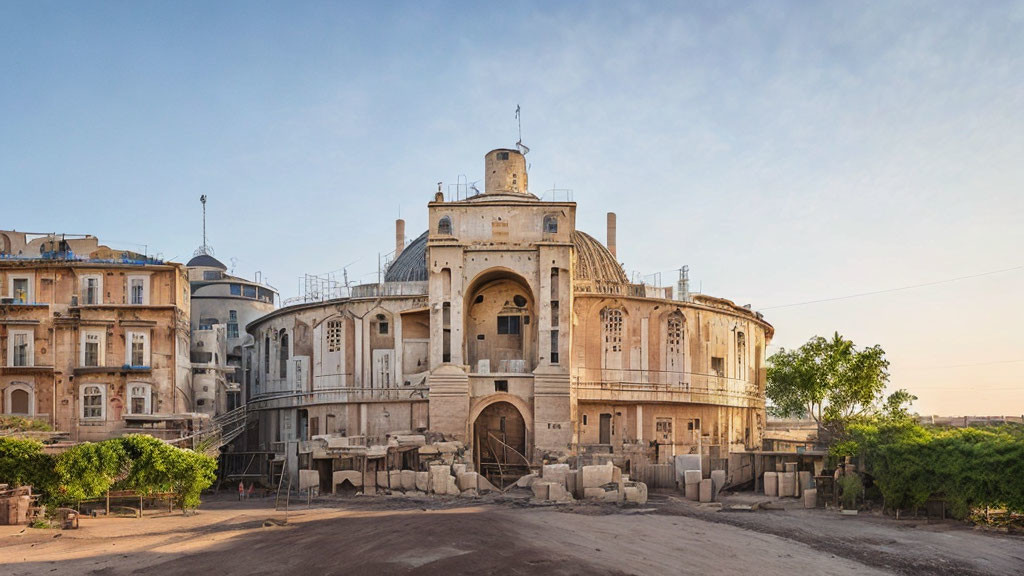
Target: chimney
[611, 234]
[399, 237]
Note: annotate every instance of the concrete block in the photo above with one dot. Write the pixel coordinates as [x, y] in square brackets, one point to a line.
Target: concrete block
[594, 476]
[471, 493]
[719, 477]
[458, 469]
[452, 488]
[555, 473]
[382, 479]
[684, 462]
[706, 489]
[439, 479]
[408, 480]
[558, 493]
[468, 481]
[369, 490]
[428, 450]
[692, 477]
[572, 482]
[805, 479]
[810, 498]
[447, 447]
[771, 484]
[353, 476]
[396, 480]
[789, 467]
[787, 484]
[527, 480]
[593, 493]
[422, 481]
[411, 439]
[692, 491]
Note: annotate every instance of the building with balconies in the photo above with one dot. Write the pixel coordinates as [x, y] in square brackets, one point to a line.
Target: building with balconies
[94, 341]
[506, 328]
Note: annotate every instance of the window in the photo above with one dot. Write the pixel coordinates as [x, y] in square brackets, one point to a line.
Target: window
[21, 290]
[138, 290]
[554, 346]
[509, 324]
[502, 155]
[741, 355]
[674, 340]
[382, 328]
[94, 402]
[19, 352]
[334, 336]
[584, 419]
[92, 290]
[212, 275]
[20, 398]
[551, 224]
[236, 289]
[501, 385]
[663, 425]
[249, 291]
[554, 313]
[444, 226]
[232, 324]
[92, 349]
[612, 329]
[718, 366]
[266, 354]
[207, 323]
[139, 398]
[283, 364]
[137, 348]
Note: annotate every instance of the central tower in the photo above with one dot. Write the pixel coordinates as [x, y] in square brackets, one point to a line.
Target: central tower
[505, 172]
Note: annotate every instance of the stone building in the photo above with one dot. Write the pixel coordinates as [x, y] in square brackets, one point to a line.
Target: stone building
[222, 305]
[506, 328]
[94, 341]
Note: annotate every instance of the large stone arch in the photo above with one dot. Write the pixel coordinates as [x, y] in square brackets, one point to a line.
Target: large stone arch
[501, 401]
[491, 296]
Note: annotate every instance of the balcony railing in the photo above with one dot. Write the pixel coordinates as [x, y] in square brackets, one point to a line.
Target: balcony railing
[692, 386]
[337, 396]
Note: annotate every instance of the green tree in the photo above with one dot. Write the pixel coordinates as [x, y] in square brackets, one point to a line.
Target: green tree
[830, 381]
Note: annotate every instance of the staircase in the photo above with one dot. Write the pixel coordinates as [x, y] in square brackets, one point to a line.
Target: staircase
[221, 430]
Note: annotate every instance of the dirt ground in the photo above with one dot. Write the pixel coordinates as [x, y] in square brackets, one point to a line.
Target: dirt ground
[388, 535]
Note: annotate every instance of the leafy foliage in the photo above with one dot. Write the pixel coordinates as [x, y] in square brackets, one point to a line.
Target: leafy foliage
[829, 380]
[850, 488]
[135, 462]
[20, 424]
[968, 467]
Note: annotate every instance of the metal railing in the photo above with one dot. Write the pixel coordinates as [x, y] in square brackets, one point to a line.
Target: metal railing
[664, 381]
[337, 396]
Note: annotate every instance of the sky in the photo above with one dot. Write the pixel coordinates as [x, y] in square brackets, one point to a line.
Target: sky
[785, 152]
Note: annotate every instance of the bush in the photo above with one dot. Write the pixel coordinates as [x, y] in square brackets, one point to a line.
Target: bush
[850, 489]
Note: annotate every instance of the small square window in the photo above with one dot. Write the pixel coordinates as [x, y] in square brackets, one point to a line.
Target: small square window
[236, 289]
[501, 385]
[502, 155]
[382, 328]
[508, 325]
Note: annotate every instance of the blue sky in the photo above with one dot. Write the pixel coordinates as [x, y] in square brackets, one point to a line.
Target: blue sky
[785, 151]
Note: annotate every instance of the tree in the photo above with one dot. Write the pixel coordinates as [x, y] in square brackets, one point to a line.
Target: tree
[830, 381]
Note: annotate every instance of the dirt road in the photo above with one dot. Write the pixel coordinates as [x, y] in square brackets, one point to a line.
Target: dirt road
[383, 536]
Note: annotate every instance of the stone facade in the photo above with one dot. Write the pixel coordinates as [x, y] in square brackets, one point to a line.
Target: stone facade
[510, 331]
[94, 341]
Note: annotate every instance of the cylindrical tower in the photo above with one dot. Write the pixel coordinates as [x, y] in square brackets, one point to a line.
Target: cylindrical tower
[610, 240]
[505, 172]
[399, 237]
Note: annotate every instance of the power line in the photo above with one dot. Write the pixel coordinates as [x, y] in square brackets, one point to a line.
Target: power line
[887, 290]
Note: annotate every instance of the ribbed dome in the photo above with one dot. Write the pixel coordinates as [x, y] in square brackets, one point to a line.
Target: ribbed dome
[594, 262]
[411, 264]
[207, 261]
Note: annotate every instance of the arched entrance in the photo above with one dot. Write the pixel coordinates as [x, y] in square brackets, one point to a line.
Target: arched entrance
[499, 443]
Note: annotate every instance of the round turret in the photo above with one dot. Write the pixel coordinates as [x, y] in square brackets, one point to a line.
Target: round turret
[505, 172]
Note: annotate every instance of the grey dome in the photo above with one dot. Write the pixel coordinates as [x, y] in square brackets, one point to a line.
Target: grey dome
[207, 261]
[411, 264]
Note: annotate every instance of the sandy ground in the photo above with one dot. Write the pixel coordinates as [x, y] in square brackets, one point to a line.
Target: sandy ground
[399, 536]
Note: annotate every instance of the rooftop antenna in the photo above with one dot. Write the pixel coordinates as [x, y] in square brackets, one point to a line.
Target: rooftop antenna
[523, 149]
[205, 248]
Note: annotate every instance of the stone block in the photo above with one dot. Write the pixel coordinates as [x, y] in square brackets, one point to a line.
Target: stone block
[541, 489]
[382, 479]
[719, 477]
[810, 498]
[471, 493]
[558, 493]
[411, 439]
[408, 480]
[707, 487]
[484, 485]
[771, 484]
[594, 476]
[692, 477]
[353, 476]
[447, 447]
[692, 491]
[555, 473]
[527, 480]
[428, 450]
[468, 481]
[422, 481]
[593, 493]
[789, 467]
[787, 484]
[684, 462]
[805, 479]
[452, 488]
[632, 494]
[439, 479]
[396, 480]
[458, 469]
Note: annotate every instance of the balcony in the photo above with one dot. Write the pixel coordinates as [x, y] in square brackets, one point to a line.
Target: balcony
[35, 369]
[337, 396]
[659, 386]
[123, 369]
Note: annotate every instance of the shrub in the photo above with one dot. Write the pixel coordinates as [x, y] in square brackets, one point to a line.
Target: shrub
[850, 489]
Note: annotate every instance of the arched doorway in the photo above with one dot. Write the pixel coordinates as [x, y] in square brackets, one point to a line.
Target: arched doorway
[499, 443]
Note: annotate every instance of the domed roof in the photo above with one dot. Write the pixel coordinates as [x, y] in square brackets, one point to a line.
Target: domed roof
[411, 264]
[207, 261]
[594, 262]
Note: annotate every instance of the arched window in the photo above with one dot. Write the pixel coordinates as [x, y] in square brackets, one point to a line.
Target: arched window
[611, 335]
[551, 224]
[94, 402]
[283, 365]
[675, 340]
[444, 226]
[19, 398]
[140, 397]
[266, 353]
[741, 355]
